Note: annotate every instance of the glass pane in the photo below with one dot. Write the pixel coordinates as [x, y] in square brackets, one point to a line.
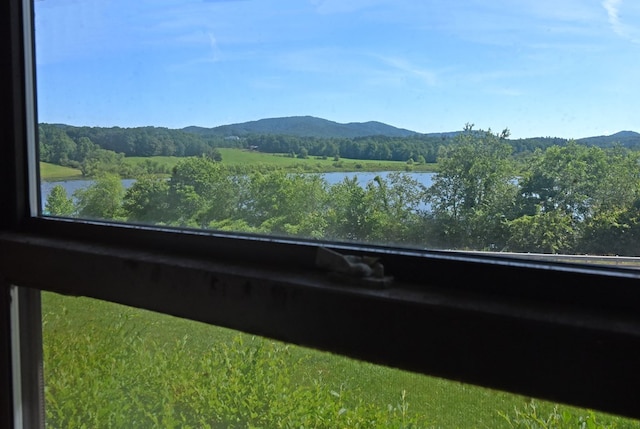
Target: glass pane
[107, 365]
[489, 126]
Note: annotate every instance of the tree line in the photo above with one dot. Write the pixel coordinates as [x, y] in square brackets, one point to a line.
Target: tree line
[569, 199]
[96, 149]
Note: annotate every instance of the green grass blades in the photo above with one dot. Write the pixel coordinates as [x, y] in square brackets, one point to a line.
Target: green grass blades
[110, 366]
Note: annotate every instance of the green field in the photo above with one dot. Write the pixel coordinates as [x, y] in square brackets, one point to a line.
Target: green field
[52, 172]
[240, 157]
[112, 366]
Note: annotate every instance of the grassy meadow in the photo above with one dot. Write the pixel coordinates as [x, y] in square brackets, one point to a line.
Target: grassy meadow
[108, 365]
[53, 172]
[241, 157]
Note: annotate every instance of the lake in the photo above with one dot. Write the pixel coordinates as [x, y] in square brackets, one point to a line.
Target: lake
[332, 178]
[366, 177]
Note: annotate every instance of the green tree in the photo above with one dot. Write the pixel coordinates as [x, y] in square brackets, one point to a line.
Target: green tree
[58, 203]
[590, 188]
[384, 211]
[549, 232]
[473, 192]
[214, 154]
[304, 153]
[619, 187]
[289, 203]
[84, 148]
[100, 161]
[202, 190]
[613, 233]
[102, 199]
[563, 178]
[147, 200]
[57, 147]
[348, 211]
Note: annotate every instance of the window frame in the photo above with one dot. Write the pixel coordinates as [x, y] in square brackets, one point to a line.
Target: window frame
[563, 332]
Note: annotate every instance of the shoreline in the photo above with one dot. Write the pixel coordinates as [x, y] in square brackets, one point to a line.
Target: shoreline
[427, 168]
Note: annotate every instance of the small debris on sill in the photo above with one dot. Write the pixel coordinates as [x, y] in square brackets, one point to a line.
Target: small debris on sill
[364, 271]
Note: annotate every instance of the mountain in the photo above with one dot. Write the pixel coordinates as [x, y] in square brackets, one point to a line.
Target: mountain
[303, 126]
[628, 139]
[310, 126]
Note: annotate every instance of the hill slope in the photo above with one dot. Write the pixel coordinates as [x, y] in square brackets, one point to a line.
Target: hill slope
[629, 139]
[310, 126]
[304, 126]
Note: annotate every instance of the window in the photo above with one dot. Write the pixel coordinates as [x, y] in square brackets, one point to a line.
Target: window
[179, 118]
[566, 332]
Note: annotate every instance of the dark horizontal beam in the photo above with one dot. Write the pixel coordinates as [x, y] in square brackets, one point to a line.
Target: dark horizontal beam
[547, 350]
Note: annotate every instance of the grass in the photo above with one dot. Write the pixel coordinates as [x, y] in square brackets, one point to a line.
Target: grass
[240, 157]
[315, 164]
[108, 361]
[53, 172]
[163, 161]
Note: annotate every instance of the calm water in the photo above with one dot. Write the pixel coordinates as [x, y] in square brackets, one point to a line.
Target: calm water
[366, 177]
[71, 186]
[332, 178]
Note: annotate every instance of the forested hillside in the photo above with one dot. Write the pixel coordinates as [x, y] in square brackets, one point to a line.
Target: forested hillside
[98, 148]
[304, 126]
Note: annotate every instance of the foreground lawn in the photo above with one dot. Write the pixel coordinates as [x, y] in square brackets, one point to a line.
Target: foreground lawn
[112, 366]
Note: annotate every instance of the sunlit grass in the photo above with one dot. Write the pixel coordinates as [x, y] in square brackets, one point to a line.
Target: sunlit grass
[244, 158]
[52, 172]
[142, 352]
[315, 164]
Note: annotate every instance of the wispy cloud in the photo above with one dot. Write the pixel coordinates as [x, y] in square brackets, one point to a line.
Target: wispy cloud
[617, 25]
[215, 51]
[403, 66]
[612, 8]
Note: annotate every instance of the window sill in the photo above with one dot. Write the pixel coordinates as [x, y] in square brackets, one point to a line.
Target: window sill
[544, 347]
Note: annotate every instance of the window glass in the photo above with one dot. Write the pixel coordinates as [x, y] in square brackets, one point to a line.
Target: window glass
[107, 365]
[485, 126]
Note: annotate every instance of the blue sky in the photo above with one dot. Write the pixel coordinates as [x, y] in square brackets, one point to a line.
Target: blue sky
[565, 68]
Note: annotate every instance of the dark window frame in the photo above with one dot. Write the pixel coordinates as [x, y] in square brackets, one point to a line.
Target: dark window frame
[563, 332]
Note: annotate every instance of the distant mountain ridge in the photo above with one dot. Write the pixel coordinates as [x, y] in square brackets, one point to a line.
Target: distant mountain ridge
[304, 126]
[625, 138]
[310, 126]
[71, 145]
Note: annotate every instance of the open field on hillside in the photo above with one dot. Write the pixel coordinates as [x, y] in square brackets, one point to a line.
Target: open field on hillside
[57, 172]
[240, 157]
[97, 352]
